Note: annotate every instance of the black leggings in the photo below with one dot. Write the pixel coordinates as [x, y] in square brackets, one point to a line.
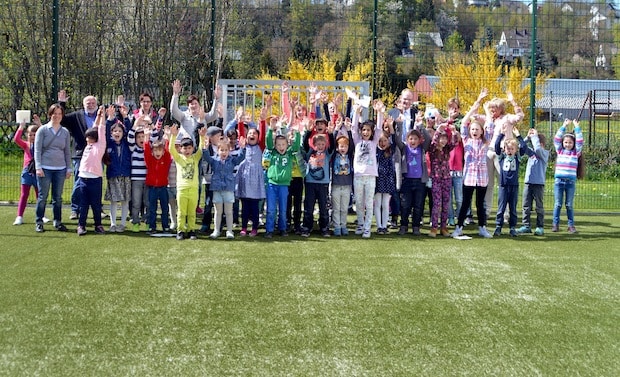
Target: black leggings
[468, 193]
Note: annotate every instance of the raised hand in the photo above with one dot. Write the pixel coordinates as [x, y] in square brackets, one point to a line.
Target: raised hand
[36, 120]
[285, 86]
[263, 113]
[176, 87]
[174, 130]
[162, 112]
[111, 112]
[483, 93]
[241, 141]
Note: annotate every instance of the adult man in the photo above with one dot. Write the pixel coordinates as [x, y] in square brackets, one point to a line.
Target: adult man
[77, 123]
[195, 114]
[404, 113]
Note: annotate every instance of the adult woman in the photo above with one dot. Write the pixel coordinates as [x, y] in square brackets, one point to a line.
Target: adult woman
[52, 156]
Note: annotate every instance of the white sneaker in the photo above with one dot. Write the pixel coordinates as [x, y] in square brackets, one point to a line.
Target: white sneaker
[18, 221]
[230, 235]
[359, 230]
[45, 220]
[215, 234]
[482, 230]
[366, 233]
[458, 231]
[173, 226]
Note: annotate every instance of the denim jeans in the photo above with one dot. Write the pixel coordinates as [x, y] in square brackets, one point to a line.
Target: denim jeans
[457, 193]
[90, 195]
[158, 194]
[75, 191]
[563, 191]
[54, 179]
[507, 197]
[316, 193]
[412, 194]
[277, 196]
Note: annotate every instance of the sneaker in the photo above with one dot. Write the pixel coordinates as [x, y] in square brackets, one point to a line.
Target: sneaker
[444, 232]
[180, 236]
[337, 232]
[166, 231]
[513, 232]
[539, 231]
[571, 229]
[416, 231]
[380, 231]
[151, 231]
[482, 231]
[524, 229]
[135, 228]
[99, 229]
[402, 230]
[344, 231]
[230, 235]
[39, 228]
[253, 233]
[215, 234]
[458, 231]
[451, 222]
[204, 229]
[326, 233]
[469, 220]
[498, 231]
[305, 233]
[366, 233]
[268, 235]
[104, 215]
[298, 230]
[192, 235]
[18, 220]
[555, 228]
[112, 229]
[45, 220]
[120, 229]
[243, 233]
[284, 233]
[359, 230]
[73, 215]
[173, 225]
[81, 231]
[61, 227]
[433, 233]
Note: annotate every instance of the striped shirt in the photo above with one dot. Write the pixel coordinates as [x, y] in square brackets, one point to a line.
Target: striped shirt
[567, 160]
[138, 165]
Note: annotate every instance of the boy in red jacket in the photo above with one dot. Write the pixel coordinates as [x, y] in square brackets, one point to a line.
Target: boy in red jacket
[158, 160]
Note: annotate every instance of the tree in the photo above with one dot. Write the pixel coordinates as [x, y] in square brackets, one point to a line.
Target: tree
[464, 77]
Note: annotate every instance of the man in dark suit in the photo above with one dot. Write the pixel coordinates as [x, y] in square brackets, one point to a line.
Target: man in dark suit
[77, 123]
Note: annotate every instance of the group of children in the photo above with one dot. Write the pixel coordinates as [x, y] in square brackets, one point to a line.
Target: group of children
[388, 165]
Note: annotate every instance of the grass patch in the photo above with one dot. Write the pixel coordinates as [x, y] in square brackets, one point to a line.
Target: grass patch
[135, 305]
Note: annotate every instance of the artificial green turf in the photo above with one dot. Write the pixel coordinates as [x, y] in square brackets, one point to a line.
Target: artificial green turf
[389, 306]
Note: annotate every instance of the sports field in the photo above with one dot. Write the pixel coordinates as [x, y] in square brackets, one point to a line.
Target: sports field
[130, 304]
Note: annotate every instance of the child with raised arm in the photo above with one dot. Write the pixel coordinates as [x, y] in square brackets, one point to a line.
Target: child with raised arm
[28, 178]
[475, 174]
[188, 179]
[439, 155]
[223, 183]
[415, 175]
[342, 179]
[534, 188]
[118, 172]
[139, 194]
[279, 164]
[316, 187]
[385, 184]
[158, 161]
[500, 120]
[251, 177]
[509, 156]
[366, 137]
[91, 174]
[568, 147]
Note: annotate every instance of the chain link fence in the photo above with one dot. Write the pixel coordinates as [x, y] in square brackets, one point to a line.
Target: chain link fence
[111, 47]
